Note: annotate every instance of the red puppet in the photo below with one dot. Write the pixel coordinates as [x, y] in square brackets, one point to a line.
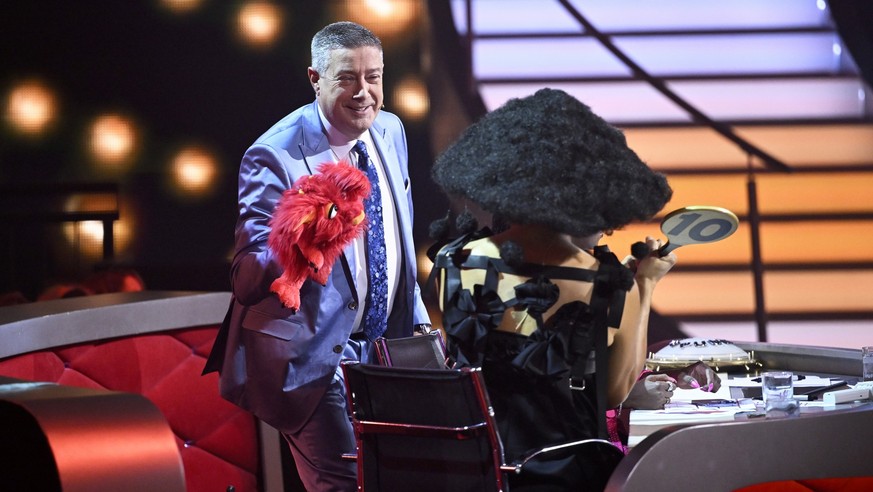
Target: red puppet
[313, 221]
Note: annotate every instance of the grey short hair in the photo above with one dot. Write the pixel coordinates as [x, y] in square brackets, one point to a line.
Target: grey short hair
[339, 35]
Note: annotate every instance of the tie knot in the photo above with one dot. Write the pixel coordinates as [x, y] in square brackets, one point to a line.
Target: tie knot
[361, 148]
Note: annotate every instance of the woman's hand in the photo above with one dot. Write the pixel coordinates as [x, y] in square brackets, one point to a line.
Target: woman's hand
[697, 376]
[651, 393]
[653, 267]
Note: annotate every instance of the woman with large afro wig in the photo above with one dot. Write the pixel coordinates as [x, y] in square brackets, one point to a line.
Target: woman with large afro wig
[557, 323]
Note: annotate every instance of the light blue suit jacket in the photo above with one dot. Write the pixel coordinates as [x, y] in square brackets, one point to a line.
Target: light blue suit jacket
[274, 362]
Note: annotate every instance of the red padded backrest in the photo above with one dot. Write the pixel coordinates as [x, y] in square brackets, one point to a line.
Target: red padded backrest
[218, 441]
[856, 484]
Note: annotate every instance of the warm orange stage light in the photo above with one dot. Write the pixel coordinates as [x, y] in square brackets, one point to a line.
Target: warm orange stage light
[112, 140]
[411, 98]
[31, 107]
[259, 23]
[194, 171]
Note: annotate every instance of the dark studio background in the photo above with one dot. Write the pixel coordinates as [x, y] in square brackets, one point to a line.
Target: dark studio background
[184, 79]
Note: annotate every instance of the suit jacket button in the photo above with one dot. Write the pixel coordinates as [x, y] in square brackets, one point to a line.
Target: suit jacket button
[337, 349]
[353, 305]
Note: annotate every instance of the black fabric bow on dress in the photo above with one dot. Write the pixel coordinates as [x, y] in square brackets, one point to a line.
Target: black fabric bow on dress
[475, 315]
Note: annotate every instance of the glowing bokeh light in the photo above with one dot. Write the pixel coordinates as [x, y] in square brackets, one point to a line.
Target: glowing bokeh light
[31, 107]
[411, 98]
[112, 140]
[384, 17]
[382, 8]
[181, 6]
[259, 23]
[194, 171]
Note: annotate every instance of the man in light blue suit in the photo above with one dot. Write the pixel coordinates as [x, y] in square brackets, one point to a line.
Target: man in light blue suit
[281, 364]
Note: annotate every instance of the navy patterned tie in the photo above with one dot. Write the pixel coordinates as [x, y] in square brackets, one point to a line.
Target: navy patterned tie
[376, 314]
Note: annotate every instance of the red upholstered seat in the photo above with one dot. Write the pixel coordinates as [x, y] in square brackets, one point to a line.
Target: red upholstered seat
[218, 441]
[857, 484]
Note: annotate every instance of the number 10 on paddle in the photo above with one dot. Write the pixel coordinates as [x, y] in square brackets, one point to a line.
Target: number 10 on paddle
[696, 224]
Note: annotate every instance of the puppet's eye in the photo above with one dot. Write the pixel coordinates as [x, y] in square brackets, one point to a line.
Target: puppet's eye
[332, 210]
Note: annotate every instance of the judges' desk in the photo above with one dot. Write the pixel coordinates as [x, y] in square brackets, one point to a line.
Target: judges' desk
[724, 451]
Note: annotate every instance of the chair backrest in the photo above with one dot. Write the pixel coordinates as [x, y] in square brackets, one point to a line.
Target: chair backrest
[423, 429]
[421, 351]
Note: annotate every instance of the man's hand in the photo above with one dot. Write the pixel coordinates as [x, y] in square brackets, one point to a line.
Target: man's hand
[422, 329]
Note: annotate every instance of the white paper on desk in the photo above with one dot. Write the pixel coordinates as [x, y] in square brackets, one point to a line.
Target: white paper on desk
[750, 382]
[666, 416]
[685, 412]
[742, 405]
[691, 409]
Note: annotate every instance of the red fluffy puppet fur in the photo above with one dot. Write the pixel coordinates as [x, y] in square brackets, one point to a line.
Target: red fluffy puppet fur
[313, 221]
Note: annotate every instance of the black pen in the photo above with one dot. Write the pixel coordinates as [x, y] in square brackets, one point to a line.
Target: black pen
[814, 394]
[797, 377]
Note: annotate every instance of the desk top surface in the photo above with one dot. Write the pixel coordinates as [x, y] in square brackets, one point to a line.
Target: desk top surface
[741, 402]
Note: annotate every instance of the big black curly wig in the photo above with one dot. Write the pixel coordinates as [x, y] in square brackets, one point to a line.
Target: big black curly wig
[548, 159]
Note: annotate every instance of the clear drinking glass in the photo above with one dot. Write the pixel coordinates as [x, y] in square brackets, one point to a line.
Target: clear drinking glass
[867, 361]
[778, 390]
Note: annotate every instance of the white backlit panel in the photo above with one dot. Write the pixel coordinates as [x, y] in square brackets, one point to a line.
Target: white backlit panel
[520, 58]
[501, 16]
[518, 16]
[615, 102]
[543, 58]
[755, 99]
[647, 15]
[722, 54]
[774, 99]
[803, 56]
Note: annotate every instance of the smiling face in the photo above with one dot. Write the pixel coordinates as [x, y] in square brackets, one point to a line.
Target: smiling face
[350, 91]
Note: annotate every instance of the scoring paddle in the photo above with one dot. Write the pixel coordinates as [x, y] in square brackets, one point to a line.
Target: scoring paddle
[696, 224]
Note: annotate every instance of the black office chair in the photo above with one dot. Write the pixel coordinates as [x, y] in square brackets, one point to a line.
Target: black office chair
[430, 430]
[421, 351]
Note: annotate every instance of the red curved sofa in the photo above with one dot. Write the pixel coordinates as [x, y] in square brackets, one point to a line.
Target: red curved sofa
[149, 343]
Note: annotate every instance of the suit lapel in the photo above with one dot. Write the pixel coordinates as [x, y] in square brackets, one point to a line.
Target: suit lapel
[385, 146]
[314, 146]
